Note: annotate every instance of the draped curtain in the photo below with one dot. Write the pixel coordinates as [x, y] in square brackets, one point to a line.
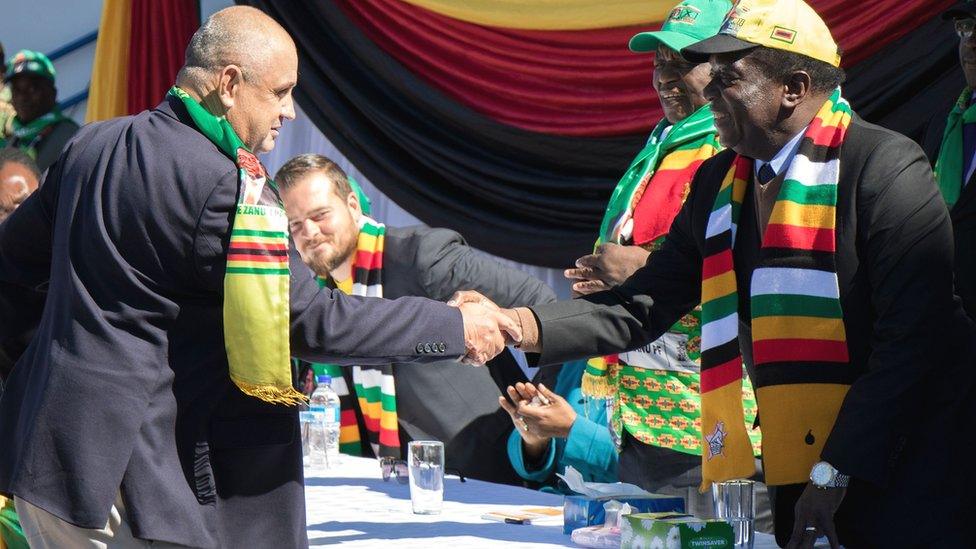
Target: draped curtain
[140, 48]
[511, 120]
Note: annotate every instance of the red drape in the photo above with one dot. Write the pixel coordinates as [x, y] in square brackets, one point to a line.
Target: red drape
[161, 29]
[577, 83]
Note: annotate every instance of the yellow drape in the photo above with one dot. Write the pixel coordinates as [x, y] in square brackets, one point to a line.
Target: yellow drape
[552, 14]
[109, 87]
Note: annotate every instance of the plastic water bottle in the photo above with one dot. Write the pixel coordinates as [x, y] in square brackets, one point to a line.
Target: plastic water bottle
[324, 435]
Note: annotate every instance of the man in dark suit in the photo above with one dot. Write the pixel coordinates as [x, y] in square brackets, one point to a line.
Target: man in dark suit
[887, 431]
[458, 406]
[121, 424]
[954, 168]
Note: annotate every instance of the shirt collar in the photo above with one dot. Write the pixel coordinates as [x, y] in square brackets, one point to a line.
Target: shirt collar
[784, 156]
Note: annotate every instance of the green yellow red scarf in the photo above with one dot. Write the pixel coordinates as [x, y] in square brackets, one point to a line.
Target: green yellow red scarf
[651, 191]
[797, 322]
[374, 385]
[256, 313]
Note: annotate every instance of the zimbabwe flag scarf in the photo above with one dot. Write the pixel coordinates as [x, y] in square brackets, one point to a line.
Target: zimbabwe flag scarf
[256, 313]
[374, 385]
[645, 201]
[797, 321]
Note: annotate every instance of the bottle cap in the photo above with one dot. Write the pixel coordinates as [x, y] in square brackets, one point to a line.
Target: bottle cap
[324, 378]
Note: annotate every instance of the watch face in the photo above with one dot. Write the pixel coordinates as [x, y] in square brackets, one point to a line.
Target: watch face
[821, 474]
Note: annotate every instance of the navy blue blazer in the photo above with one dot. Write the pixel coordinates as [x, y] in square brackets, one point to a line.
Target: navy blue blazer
[125, 383]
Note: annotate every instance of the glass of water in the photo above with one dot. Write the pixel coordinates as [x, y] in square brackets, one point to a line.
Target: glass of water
[735, 503]
[425, 461]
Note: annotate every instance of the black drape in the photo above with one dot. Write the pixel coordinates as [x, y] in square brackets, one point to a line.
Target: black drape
[532, 197]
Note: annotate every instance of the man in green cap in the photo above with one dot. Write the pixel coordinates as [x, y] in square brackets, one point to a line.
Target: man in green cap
[656, 419]
[39, 128]
[955, 165]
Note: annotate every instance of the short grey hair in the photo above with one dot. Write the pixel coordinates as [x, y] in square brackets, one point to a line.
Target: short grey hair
[234, 36]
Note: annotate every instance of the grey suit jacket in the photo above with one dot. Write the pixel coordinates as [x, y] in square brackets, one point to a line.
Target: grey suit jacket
[454, 403]
[126, 383]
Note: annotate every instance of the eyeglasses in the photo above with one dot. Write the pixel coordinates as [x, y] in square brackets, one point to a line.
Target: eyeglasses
[964, 27]
[394, 467]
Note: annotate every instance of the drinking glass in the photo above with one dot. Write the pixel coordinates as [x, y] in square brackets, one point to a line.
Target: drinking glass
[735, 503]
[425, 460]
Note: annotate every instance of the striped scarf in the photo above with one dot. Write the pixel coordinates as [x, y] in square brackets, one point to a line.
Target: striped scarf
[374, 385]
[797, 321]
[645, 202]
[256, 314]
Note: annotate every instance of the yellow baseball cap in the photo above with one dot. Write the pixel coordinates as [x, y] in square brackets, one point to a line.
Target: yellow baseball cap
[789, 25]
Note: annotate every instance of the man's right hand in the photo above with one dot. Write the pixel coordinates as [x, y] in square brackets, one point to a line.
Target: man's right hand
[486, 331]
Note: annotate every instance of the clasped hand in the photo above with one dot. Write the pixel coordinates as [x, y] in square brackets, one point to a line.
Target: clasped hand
[486, 328]
[538, 415]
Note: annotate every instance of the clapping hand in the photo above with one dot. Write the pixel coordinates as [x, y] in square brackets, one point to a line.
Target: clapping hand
[486, 328]
[538, 415]
[608, 266]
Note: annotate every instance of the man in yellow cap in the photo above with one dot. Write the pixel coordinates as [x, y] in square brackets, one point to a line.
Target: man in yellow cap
[821, 252]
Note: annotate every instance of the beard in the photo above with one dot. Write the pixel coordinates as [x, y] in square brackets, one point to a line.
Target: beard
[325, 258]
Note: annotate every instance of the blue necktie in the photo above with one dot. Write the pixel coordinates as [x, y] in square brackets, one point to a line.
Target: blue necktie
[766, 173]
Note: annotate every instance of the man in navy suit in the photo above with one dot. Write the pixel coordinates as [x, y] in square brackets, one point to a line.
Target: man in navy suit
[120, 423]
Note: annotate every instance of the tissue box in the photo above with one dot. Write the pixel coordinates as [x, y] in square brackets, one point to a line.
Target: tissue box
[671, 531]
[580, 511]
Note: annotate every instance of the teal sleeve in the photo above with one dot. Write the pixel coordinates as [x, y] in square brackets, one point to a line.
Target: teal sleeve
[517, 457]
[590, 450]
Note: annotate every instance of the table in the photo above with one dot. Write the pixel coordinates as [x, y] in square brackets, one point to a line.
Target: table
[352, 506]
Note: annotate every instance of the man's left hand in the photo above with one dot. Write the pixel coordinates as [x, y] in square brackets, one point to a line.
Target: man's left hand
[814, 517]
[554, 417]
[610, 264]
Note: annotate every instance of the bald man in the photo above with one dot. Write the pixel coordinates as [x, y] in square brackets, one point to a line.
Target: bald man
[148, 407]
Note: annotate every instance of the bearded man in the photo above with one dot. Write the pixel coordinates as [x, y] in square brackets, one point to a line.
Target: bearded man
[352, 252]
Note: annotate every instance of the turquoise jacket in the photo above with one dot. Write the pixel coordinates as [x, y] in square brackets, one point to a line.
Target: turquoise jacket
[589, 448]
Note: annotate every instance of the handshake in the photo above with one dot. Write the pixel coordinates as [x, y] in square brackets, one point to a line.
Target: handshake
[487, 328]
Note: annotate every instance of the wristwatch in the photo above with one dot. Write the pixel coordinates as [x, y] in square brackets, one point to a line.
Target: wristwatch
[824, 475]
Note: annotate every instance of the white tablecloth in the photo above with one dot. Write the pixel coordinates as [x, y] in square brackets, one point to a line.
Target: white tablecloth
[352, 506]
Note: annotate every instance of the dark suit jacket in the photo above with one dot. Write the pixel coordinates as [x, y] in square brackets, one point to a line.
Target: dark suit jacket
[964, 230]
[443, 401]
[126, 382]
[894, 267]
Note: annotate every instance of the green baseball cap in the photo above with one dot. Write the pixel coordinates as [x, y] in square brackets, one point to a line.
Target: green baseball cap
[29, 62]
[689, 22]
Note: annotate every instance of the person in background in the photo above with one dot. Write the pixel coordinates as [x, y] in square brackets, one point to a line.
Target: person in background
[955, 165]
[398, 403]
[653, 391]
[558, 428]
[20, 310]
[19, 177]
[6, 109]
[39, 128]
